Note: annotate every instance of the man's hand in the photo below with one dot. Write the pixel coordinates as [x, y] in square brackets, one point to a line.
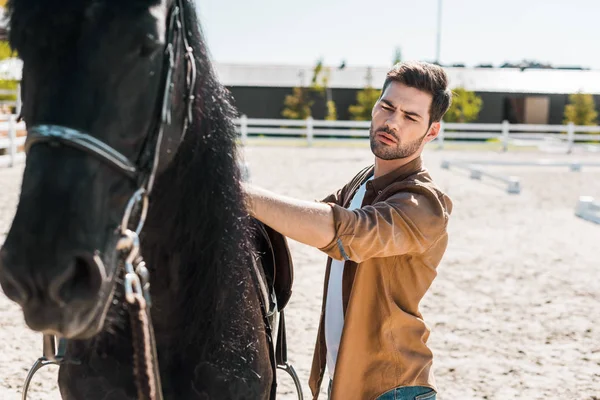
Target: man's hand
[307, 222]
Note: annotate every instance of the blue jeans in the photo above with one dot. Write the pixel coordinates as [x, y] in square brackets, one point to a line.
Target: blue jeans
[409, 393]
[403, 393]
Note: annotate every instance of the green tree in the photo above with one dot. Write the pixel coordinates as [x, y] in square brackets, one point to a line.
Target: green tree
[365, 101]
[465, 106]
[320, 78]
[581, 110]
[6, 84]
[298, 104]
[320, 86]
[6, 51]
[331, 111]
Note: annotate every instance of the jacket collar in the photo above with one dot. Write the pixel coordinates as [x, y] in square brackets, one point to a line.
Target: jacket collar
[396, 175]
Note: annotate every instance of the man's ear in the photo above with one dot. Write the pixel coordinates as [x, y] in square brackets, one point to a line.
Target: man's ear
[434, 131]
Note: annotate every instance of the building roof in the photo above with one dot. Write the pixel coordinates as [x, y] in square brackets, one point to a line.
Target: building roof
[511, 80]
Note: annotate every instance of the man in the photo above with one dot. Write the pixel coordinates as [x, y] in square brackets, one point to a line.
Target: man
[385, 234]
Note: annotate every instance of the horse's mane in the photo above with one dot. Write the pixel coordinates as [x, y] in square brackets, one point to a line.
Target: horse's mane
[198, 205]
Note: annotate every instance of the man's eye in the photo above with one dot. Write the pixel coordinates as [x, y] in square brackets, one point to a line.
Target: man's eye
[411, 119]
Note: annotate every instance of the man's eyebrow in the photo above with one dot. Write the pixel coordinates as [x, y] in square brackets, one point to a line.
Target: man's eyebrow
[388, 103]
[411, 113]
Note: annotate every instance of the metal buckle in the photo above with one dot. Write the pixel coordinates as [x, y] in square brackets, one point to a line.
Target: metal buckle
[139, 196]
[137, 276]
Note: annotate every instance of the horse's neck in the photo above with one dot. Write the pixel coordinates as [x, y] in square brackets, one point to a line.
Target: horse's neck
[177, 266]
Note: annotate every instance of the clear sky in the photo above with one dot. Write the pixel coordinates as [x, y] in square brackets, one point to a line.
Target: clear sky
[365, 32]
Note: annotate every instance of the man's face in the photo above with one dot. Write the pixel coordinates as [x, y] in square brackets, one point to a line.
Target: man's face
[400, 125]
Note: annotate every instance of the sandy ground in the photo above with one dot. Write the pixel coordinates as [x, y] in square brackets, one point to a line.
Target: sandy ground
[513, 311]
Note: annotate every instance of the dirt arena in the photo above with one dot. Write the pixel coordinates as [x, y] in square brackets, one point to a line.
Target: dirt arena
[515, 308]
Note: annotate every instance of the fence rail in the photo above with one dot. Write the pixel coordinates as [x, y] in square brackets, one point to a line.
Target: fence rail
[506, 133]
[565, 137]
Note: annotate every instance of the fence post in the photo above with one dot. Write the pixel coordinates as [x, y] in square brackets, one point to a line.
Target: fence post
[441, 136]
[570, 137]
[505, 132]
[309, 130]
[19, 100]
[244, 128]
[12, 140]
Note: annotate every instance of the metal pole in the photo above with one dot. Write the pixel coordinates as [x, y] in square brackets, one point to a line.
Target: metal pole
[439, 33]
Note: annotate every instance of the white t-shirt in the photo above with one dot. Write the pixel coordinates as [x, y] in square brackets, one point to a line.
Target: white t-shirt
[334, 309]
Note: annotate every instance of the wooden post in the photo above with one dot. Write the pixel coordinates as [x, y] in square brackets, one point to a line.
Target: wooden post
[19, 100]
[505, 132]
[12, 140]
[309, 130]
[570, 137]
[244, 128]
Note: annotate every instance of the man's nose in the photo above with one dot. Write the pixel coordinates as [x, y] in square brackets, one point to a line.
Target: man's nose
[391, 126]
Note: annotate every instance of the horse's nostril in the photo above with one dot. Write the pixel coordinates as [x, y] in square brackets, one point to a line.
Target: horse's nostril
[13, 289]
[80, 281]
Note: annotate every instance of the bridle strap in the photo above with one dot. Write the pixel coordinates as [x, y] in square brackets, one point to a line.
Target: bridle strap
[81, 141]
[191, 75]
[147, 165]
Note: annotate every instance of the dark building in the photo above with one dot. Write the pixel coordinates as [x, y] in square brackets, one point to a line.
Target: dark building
[531, 96]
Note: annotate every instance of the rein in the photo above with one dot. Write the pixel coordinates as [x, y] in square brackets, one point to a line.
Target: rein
[142, 172]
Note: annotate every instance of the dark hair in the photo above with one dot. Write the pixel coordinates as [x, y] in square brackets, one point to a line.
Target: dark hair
[427, 77]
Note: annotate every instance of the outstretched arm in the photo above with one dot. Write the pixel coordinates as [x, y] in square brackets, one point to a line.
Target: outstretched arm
[307, 222]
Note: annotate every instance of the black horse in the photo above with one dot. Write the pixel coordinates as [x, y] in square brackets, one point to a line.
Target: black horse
[106, 82]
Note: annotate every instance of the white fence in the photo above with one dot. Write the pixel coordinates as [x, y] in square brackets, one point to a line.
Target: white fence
[563, 138]
[566, 136]
[10, 142]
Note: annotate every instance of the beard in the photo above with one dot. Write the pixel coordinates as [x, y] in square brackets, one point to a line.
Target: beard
[393, 152]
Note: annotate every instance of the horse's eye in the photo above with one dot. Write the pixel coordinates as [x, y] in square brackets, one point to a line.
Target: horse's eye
[150, 45]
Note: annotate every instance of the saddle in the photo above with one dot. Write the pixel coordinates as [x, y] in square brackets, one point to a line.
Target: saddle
[276, 263]
[274, 276]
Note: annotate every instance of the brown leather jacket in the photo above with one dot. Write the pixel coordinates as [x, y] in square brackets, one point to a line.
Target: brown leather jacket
[392, 247]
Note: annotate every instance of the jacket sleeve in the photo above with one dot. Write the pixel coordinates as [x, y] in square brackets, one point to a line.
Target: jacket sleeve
[334, 198]
[410, 221]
